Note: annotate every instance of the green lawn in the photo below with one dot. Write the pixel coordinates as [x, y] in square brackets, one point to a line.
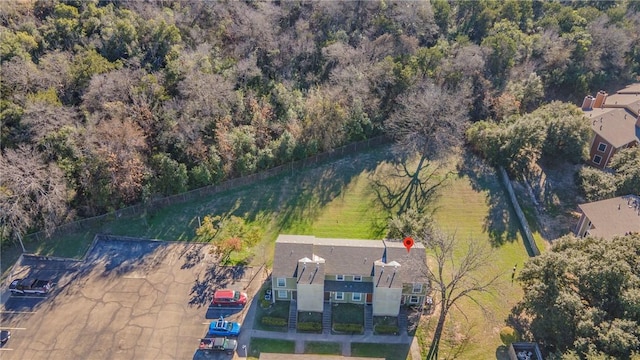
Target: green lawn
[347, 314]
[475, 207]
[321, 347]
[335, 200]
[279, 309]
[259, 345]
[388, 351]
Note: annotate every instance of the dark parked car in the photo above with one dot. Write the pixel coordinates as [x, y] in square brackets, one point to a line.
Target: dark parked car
[4, 336]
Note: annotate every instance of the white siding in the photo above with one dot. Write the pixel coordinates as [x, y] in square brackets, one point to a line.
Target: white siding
[386, 301]
[310, 297]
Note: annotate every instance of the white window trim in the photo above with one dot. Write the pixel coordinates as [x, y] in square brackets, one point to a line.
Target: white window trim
[284, 282]
[411, 301]
[599, 161]
[605, 147]
[353, 296]
[357, 277]
[414, 288]
[339, 277]
[339, 295]
[283, 294]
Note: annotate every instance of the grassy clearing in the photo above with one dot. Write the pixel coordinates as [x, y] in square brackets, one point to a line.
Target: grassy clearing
[476, 208]
[387, 351]
[335, 200]
[259, 345]
[323, 348]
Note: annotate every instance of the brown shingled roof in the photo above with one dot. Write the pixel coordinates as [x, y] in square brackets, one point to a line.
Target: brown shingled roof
[613, 217]
[615, 125]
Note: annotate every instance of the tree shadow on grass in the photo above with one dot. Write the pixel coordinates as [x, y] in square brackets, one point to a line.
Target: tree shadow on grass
[500, 223]
[303, 195]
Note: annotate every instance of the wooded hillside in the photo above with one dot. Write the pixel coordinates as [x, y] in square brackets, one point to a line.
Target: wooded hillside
[108, 103]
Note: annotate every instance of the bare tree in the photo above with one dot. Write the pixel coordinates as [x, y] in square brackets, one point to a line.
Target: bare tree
[455, 277]
[32, 193]
[429, 120]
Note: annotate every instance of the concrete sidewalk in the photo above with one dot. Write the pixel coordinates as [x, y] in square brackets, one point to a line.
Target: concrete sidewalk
[300, 338]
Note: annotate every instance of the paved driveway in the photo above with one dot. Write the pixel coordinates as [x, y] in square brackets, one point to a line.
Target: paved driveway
[127, 300]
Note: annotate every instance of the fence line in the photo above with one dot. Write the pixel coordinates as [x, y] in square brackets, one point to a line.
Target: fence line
[161, 202]
[528, 236]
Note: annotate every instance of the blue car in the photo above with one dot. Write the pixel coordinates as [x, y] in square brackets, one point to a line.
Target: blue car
[223, 328]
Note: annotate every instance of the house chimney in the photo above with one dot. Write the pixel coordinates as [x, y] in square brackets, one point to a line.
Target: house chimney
[601, 98]
[638, 121]
[587, 103]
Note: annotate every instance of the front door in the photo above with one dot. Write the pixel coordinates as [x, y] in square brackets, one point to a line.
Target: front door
[369, 298]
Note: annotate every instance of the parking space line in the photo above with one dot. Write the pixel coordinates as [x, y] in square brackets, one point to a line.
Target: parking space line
[5, 349]
[9, 328]
[17, 312]
[28, 297]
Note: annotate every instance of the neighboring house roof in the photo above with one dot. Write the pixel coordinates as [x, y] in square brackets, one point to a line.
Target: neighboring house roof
[615, 125]
[348, 257]
[631, 102]
[612, 217]
[276, 356]
[631, 89]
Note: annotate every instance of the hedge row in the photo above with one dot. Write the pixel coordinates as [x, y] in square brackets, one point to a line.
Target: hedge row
[309, 326]
[273, 321]
[387, 329]
[349, 328]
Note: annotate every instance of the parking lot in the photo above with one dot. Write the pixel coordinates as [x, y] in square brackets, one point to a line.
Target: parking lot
[129, 299]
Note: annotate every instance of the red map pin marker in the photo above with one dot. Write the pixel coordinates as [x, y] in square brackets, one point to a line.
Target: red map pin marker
[408, 243]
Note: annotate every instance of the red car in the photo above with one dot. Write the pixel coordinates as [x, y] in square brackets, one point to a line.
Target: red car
[229, 298]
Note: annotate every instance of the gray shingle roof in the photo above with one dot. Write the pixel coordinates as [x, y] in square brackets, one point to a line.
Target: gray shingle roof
[348, 286]
[350, 257]
[612, 217]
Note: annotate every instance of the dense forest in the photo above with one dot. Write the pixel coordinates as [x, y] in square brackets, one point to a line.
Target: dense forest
[108, 103]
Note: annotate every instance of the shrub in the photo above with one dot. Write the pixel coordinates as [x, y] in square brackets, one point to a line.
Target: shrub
[508, 335]
[387, 329]
[273, 321]
[309, 326]
[348, 328]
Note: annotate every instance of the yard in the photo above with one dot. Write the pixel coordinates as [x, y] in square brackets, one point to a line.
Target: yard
[336, 200]
[323, 348]
[279, 309]
[347, 318]
[388, 351]
[259, 345]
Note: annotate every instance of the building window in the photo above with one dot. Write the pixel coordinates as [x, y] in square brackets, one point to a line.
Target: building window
[282, 294]
[357, 278]
[597, 159]
[340, 277]
[281, 282]
[339, 296]
[602, 147]
[417, 288]
[413, 299]
[356, 297]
